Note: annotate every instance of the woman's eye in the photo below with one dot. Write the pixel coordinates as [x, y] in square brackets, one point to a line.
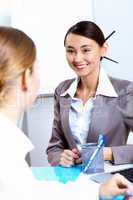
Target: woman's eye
[69, 51]
[86, 50]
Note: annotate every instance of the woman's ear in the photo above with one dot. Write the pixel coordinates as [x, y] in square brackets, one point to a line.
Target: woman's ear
[104, 49]
[26, 80]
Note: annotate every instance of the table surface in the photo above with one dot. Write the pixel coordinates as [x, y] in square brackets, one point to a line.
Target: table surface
[64, 174]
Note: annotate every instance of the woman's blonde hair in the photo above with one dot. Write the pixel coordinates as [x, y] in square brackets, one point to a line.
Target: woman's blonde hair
[17, 53]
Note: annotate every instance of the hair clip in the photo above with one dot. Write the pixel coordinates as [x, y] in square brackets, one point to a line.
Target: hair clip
[109, 35]
[111, 59]
[106, 40]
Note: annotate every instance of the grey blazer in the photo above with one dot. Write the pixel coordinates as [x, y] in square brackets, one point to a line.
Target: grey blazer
[111, 116]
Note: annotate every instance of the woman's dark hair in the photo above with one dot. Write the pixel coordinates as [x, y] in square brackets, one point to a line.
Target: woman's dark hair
[87, 29]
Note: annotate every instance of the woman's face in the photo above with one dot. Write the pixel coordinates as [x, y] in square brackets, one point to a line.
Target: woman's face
[83, 54]
[34, 84]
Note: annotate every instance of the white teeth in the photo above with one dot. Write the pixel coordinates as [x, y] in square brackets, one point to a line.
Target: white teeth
[79, 66]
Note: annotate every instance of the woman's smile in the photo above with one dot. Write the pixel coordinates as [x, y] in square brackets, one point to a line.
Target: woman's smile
[79, 66]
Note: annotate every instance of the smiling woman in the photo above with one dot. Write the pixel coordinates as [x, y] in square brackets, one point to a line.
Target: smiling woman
[84, 106]
[83, 55]
[85, 48]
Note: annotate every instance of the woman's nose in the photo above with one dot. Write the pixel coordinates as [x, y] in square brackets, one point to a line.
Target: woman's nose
[78, 57]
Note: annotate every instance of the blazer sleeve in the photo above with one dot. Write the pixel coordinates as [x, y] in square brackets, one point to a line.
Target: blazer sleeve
[124, 154]
[57, 141]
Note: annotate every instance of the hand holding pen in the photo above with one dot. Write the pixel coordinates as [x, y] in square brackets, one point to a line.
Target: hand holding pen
[95, 153]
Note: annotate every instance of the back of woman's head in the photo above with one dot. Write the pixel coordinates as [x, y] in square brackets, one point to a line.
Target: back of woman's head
[17, 53]
[87, 29]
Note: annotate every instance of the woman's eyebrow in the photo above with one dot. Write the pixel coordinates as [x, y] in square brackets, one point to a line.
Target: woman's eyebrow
[70, 47]
[83, 46]
[86, 45]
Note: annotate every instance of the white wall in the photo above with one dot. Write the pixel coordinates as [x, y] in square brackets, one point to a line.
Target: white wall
[117, 15]
[5, 12]
[5, 5]
[39, 125]
[47, 22]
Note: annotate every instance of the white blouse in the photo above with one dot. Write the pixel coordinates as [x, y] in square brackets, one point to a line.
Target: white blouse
[79, 114]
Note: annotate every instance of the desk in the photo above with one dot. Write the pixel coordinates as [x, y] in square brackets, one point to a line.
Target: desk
[63, 174]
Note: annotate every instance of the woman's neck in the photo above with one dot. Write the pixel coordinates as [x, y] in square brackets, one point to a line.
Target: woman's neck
[89, 83]
[11, 113]
[87, 87]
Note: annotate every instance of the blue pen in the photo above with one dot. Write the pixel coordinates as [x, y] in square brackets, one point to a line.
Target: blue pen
[99, 146]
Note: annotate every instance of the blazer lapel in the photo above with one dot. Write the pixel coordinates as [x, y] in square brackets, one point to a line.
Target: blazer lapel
[101, 117]
[65, 103]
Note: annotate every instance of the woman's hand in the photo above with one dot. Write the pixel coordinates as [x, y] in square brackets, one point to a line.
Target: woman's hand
[107, 154]
[69, 157]
[117, 185]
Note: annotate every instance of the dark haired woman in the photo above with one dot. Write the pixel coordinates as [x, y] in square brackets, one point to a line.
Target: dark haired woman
[91, 104]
